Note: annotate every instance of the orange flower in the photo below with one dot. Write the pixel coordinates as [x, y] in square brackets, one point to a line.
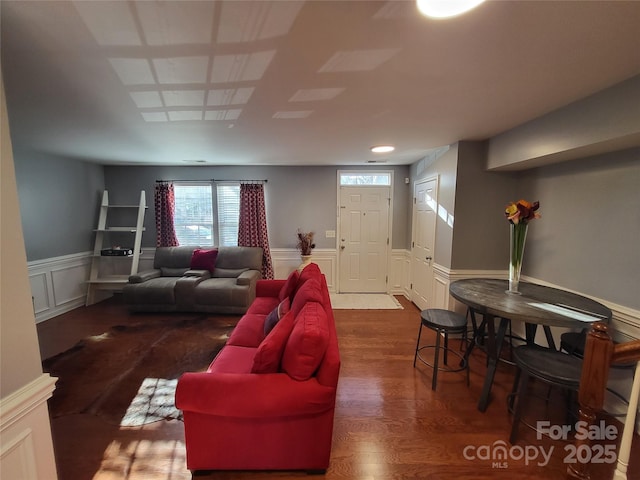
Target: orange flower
[522, 211]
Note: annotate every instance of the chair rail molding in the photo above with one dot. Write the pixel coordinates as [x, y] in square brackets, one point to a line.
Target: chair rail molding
[26, 447]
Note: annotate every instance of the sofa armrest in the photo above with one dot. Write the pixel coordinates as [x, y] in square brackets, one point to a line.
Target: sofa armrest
[144, 276]
[203, 274]
[248, 277]
[245, 395]
[269, 288]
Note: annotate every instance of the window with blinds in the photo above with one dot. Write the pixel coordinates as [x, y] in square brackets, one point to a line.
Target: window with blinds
[228, 213]
[195, 212]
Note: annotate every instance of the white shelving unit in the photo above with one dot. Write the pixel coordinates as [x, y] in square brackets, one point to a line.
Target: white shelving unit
[112, 283]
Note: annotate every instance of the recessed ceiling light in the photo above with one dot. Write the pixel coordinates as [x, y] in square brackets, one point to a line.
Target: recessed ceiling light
[446, 8]
[382, 148]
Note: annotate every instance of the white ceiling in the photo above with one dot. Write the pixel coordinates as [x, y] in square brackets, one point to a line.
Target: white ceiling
[296, 83]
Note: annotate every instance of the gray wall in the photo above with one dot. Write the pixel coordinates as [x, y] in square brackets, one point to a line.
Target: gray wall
[588, 238]
[296, 197]
[604, 122]
[444, 164]
[481, 232]
[59, 201]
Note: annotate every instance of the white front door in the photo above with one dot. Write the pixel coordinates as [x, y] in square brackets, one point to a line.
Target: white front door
[422, 247]
[364, 239]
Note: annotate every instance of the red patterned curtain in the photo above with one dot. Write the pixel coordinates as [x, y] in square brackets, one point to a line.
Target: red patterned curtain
[252, 228]
[165, 202]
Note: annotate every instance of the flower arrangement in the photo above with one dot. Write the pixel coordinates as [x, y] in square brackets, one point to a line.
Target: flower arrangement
[522, 211]
[305, 242]
[519, 214]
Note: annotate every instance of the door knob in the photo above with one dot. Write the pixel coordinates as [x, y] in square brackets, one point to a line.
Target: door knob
[429, 258]
[342, 247]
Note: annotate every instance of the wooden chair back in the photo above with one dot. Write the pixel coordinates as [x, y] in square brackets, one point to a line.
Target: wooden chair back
[600, 353]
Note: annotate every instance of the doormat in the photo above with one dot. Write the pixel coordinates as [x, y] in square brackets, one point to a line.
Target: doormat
[364, 301]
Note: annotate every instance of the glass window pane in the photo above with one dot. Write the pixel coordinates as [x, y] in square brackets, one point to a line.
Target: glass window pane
[228, 214]
[193, 219]
[358, 178]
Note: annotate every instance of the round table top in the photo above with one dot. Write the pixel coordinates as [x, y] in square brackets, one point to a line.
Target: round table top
[536, 304]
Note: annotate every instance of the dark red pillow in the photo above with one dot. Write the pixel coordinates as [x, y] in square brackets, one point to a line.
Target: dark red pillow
[289, 286]
[269, 354]
[308, 292]
[307, 342]
[204, 259]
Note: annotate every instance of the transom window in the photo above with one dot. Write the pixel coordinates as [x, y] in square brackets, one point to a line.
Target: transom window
[362, 178]
[202, 218]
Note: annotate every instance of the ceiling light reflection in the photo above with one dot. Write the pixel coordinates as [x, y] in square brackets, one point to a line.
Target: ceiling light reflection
[446, 8]
[382, 148]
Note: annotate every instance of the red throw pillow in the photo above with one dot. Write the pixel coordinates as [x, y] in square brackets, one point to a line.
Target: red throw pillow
[276, 314]
[308, 292]
[309, 272]
[204, 259]
[269, 354]
[289, 286]
[307, 343]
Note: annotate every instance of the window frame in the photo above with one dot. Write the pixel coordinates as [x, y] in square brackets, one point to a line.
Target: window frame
[365, 173]
[215, 211]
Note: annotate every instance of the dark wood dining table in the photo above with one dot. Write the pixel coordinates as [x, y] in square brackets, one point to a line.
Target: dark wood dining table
[535, 305]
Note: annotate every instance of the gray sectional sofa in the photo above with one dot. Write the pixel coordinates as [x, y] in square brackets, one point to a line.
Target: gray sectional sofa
[173, 286]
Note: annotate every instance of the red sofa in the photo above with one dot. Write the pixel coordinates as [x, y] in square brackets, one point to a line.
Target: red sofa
[267, 401]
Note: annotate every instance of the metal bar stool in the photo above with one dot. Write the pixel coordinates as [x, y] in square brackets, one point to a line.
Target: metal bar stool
[547, 365]
[479, 335]
[444, 322]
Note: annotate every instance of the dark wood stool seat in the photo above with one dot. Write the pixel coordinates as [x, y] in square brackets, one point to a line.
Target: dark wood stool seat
[548, 365]
[444, 322]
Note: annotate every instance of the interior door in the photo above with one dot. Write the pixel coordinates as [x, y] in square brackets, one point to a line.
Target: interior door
[364, 239]
[422, 246]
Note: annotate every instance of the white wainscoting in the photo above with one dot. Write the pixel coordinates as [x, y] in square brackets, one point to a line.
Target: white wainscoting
[285, 260]
[58, 284]
[26, 447]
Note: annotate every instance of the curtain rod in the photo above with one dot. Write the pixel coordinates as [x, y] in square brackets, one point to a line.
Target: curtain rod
[213, 180]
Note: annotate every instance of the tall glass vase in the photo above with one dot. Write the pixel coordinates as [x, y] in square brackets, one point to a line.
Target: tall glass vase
[518, 237]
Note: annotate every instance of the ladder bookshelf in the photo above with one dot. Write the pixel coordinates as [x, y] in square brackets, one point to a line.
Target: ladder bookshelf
[97, 280]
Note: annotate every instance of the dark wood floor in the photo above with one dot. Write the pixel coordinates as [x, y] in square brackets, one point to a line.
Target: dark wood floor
[389, 424]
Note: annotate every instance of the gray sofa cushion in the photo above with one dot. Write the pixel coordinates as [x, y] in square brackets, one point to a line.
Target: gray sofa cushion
[235, 258]
[221, 291]
[155, 291]
[173, 257]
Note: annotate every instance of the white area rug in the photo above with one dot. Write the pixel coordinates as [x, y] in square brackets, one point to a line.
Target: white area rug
[364, 301]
